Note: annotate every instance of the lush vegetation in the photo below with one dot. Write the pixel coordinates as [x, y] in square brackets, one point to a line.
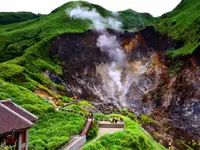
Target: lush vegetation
[133, 137]
[54, 130]
[81, 106]
[144, 119]
[133, 20]
[24, 50]
[12, 17]
[93, 132]
[182, 24]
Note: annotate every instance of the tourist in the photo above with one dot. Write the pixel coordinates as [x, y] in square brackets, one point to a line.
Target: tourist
[116, 120]
[112, 120]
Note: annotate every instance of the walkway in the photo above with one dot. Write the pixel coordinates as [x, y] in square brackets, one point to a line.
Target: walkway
[106, 127]
[79, 140]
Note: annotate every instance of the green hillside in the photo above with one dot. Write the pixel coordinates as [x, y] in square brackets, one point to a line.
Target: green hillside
[133, 137]
[24, 57]
[133, 20]
[182, 24]
[24, 50]
[15, 17]
[16, 38]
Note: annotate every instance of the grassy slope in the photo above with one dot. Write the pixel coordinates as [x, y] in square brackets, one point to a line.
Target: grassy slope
[24, 47]
[19, 76]
[54, 129]
[132, 137]
[182, 24]
[16, 38]
[133, 20]
[12, 17]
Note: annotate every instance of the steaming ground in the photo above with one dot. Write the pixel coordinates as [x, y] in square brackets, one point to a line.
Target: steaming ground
[122, 81]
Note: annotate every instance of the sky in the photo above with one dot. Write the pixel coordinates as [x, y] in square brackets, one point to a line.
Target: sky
[154, 7]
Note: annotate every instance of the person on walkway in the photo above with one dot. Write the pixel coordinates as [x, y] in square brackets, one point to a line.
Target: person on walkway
[113, 120]
[91, 114]
[116, 120]
[76, 99]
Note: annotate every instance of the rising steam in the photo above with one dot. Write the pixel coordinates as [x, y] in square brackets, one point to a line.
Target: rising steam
[111, 73]
[109, 44]
[99, 22]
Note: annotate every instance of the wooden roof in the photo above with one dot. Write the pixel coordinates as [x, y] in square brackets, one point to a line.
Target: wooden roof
[14, 118]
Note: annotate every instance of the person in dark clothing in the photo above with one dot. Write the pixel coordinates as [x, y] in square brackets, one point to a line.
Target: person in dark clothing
[91, 115]
[116, 120]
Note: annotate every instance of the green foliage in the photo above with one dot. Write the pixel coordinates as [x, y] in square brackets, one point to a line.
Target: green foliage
[8, 71]
[92, 133]
[175, 67]
[85, 103]
[80, 107]
[54, 129]
[73, 4]
[101, 117]
[133, 137]
[66, 99]
[133, 20]
[182, 24]
[7, 147]
[146, 119]
[24, 50]
[29, 83]
[190, 145]
[132, 116]
[14, 17]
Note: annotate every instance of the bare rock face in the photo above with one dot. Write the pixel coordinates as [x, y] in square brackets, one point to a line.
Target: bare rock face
[140, 82]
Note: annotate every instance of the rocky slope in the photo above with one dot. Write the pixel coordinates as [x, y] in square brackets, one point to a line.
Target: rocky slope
[151, 83]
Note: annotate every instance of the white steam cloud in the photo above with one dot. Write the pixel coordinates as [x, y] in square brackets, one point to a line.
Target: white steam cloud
[111, 73]
[115, 74]
[99, 22]
[109, 44]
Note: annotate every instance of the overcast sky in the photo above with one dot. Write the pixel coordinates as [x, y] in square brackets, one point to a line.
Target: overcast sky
[154, 7]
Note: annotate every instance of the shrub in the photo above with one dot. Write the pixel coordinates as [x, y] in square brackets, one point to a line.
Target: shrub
[92, 133]
[133, 137]
[146, 119]
[54, 129]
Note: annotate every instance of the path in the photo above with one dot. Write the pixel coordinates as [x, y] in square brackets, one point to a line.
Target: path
[106, 127]
[79, 140]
